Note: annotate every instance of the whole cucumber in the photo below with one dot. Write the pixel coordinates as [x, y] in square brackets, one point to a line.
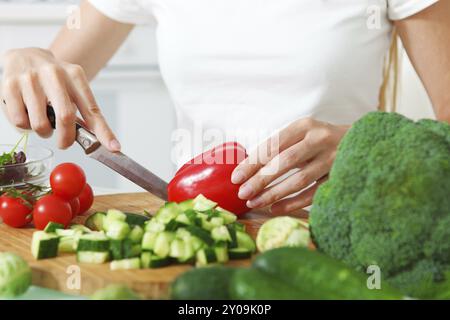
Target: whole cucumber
[319, 276]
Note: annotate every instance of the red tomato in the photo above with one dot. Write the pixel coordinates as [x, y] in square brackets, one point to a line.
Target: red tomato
[67, 180]
[51, 208]
[75, 206]
[15, 212]
[86, 199]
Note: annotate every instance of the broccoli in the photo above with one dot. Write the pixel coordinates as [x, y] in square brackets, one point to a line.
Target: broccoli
[387, 201]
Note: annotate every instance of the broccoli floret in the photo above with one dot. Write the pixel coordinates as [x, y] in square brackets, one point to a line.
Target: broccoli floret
[387, 200]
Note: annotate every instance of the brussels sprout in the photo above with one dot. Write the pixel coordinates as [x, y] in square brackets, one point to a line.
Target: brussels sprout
[115, 292]
[15, 275]
[282, 232]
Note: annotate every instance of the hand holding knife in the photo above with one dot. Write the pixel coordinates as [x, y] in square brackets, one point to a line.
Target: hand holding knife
[117, 161]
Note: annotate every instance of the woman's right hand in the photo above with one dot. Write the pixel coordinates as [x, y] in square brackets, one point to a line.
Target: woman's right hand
[32, 78]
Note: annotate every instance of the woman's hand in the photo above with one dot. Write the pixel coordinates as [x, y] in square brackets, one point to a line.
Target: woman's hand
[306, 144]
[32, 78]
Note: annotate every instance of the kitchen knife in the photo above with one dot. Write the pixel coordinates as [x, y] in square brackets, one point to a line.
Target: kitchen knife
[117, 161]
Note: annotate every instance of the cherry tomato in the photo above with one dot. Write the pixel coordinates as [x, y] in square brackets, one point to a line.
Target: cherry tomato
[75, 206]
[67, 180]
[51, 208]
[15, 212]
[86, 199]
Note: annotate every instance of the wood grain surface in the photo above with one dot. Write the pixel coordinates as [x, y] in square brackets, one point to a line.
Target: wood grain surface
[61, 273]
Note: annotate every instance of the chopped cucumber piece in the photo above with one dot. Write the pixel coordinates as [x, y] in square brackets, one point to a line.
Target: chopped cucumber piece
[44, 245]
[227, 216]
[126, 264]
[136, 234]
[68, 232]
[162, 243]
[217, 221]
[201, 234]
[221, 253]
[245, 241]
[177, 248]
[130, 249]
[117, 229]
[95, 221]
[183, 219]
[221, 234]
[238, 226]
[173, 225]
[52, 227]
[239, 253]
[154, 226]
[206, 256]
[67, 244]
[97, 242]
[92, 257]
[233, 238]
[135, 219]
[80, 227]
[183, 234]
[167, 212]
[196, 243]
[148, 241]
[115, 214]
[201, 203]
[186, 205]
[116, 249]
[149, 260]
[207, 225]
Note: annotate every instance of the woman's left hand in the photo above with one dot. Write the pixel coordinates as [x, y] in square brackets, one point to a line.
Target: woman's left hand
[306, 144]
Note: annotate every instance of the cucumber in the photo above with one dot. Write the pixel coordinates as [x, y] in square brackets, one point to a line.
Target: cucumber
[173, 225]
[149, 260]
[183, 219]
[317, 276]
[205, 256]
[245, 241]
[67, 244]
[217, 221]
[162, 244]
[254, 284]
[221, 253]
[125, 264]
[44, 245]
[96, 242]
[95, 221]
[135, 219]
[168, 212]
[177, 248]
[186, 205]
[68, 233]
[221, 234]
[148, 241]
[233, 237]
[154, 226]
[238, 226]
[201, 234]
[239, 253]
[51, 227]
[227, 216]
[203, 284]
[81, 228]
[92, 257]
[194, 217]
[117, 229]
[115, 214]
[116, 249]
[201, 203]
[130, 249]
[136, 234]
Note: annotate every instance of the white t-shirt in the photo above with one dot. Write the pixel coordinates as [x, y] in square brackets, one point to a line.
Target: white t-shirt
[250, 67]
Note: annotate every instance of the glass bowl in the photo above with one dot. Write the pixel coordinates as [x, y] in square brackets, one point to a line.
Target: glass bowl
[34, 171]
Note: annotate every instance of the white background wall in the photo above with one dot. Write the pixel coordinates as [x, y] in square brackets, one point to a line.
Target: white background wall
[133, 96]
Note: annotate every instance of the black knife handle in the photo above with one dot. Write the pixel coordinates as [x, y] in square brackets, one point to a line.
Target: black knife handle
[85, 138]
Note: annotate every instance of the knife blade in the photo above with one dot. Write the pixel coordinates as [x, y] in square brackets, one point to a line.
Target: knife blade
[117, 161]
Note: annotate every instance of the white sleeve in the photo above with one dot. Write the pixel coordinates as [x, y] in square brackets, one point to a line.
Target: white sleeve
[401, 9]
[126, 11]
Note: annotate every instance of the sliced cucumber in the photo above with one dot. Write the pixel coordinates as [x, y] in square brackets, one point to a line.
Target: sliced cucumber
[92, 257]
[44, 245]
[177, 248]
[81, 228]
[149, 260]
[233, 238]
[68, 232]
[186, 205]
[205, 256]
[67, 244]
[201, 203]
[130, 249]
[52, 227]
[154, 226]
[221, 254]
[221, 234]
[238, 226]
[162, 243]
[183, 219]
[201, 234]
[227, 216]
[136, 234]
[148, 241]
[95, 221]
[245, 241]
[239, 253]
[115, 214]
[217, 221]
[126, 264]
[173, 225]
[167, 212]
[96, 242]
[117, 229]
[135, 219]
[116, 249]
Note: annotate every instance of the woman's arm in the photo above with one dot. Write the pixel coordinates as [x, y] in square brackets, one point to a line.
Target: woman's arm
[426, 37]
[32, 77]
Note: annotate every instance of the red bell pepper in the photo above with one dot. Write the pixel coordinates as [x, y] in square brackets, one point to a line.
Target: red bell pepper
[210, 174]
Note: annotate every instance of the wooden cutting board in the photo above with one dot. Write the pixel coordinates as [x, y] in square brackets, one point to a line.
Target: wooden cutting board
[65, 274]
